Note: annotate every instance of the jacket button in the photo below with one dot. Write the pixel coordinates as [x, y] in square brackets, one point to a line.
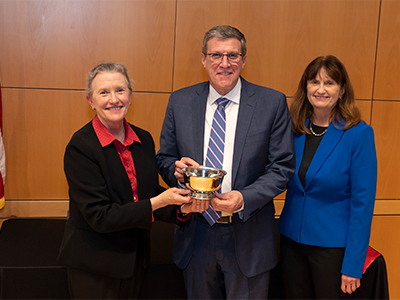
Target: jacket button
[303, 194]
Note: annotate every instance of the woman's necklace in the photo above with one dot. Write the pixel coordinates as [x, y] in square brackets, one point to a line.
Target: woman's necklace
[317, 134]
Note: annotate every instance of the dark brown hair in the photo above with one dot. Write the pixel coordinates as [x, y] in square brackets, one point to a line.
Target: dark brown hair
[345, 112]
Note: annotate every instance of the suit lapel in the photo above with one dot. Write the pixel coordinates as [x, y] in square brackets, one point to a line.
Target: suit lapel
[325, 148]
[198, 116]
[140, 166]
[245, 115]
[299, 142]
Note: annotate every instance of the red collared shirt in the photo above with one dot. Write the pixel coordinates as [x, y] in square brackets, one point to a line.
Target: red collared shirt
[106, 138]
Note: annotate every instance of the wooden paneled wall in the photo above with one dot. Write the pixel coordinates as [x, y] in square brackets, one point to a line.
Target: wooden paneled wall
[47, 47]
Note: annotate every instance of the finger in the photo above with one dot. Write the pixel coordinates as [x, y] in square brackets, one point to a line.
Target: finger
[204, 205]
[198, 204]
[180, 163]
[179, 176]
[215, 202]
[183, 192]
[186, 198]
[349, 289]
[195, 205]
[179, 170]
[189, 162]
[343, 287]
[356, 286]
[219, 196]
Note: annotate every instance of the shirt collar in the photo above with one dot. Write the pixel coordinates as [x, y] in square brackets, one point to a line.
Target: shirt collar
[233, 95]
[106, 137]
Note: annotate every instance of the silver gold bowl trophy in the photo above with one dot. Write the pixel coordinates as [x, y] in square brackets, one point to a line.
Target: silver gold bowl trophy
[202, 181]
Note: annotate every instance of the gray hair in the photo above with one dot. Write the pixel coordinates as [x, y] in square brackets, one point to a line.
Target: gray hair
[106, 68]
[225, 32]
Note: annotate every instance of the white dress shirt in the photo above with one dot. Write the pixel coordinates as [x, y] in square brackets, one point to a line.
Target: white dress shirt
[231, 113]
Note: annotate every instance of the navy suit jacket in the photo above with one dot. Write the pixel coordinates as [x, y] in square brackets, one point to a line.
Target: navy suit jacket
[335, 207]
[263, 162]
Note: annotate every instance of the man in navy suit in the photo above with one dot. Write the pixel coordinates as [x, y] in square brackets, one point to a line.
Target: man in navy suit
[230, 259]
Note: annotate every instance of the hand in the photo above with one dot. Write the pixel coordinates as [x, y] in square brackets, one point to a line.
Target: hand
[195, 206]
[171, 196]
[228, 202]
[350, 284]
[180, 164]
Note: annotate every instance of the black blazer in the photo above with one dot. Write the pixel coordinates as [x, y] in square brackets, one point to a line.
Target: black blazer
[107, 233]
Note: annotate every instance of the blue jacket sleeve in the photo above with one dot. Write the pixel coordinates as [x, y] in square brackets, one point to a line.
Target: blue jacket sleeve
[363, 189]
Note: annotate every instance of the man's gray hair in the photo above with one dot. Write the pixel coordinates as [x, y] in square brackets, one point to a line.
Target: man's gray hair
[225, 32]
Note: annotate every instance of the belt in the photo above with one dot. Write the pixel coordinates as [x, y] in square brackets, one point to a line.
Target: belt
[225, 220]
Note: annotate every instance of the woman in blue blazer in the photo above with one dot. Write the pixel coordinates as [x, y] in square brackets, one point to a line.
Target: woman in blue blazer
[326, 220]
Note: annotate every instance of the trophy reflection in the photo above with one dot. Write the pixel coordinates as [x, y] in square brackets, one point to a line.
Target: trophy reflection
[203, 181]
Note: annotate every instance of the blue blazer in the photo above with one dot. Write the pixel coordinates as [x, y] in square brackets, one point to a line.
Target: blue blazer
[263, 162]
[335, 207]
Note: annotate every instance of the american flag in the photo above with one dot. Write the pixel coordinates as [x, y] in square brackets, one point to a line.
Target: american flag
[2, 157]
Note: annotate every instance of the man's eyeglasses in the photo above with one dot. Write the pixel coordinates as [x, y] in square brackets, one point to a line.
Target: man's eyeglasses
[217, 57]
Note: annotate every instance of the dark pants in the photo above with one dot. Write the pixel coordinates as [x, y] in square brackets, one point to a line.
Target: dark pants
[311, 272]
[85, 285]
[213, 271]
